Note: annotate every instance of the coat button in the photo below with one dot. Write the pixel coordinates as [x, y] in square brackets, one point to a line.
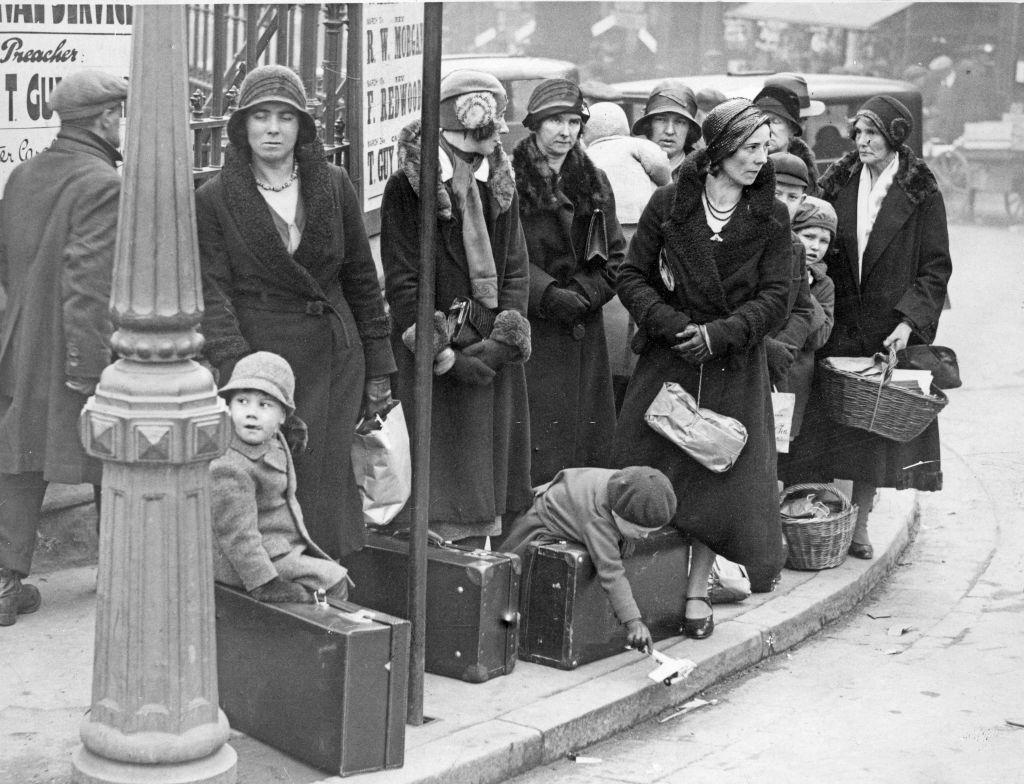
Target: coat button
[578, 331]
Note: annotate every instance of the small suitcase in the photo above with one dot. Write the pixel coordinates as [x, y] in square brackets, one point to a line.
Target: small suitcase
[325, 683]
[472, 602]
[567, 619]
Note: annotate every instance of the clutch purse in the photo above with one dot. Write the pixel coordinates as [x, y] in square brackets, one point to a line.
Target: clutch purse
[597, 241]
[713, 440]
[469, 322]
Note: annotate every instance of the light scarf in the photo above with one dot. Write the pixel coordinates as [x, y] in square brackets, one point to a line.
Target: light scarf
[869, 202]
[286, 205]
[483, 275]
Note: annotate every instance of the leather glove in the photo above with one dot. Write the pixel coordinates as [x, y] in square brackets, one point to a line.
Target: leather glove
[780, 358]
[492, 353]
[470, 370]
[692, 346]
[376, 395]
[563, 305]
[81, 385]
[278, 591]
[296, 433]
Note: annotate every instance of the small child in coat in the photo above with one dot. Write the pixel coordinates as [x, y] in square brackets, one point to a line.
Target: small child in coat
[260, 540]
[602, 509]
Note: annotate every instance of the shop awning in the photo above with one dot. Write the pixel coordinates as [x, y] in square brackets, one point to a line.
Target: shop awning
[851, 16]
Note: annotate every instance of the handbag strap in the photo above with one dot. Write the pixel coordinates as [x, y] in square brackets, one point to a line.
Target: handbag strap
[700, 384]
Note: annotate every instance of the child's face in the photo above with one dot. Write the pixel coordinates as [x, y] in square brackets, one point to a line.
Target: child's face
[790, 195]
[631, 530]
[815, 240]
[255, 415]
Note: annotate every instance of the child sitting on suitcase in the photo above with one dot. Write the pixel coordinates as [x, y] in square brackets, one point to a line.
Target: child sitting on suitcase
[605, 510]
[260, 541]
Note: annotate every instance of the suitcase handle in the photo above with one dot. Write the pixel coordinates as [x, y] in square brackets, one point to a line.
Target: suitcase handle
[432, 538]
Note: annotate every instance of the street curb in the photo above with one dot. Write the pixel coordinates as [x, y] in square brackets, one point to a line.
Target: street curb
[549, 728]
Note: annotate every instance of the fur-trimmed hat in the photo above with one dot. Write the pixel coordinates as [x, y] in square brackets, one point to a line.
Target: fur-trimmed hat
[671, 95]
[555, 96]
[892, 119]
[270, 83]
[790, 169]
[642, 495]
[266, 372]
[815, 213]
[86, 93]
[472, 99]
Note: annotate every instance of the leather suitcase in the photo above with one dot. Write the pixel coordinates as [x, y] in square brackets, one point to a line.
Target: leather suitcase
[472, 602]
[326, 684]
[567, 619]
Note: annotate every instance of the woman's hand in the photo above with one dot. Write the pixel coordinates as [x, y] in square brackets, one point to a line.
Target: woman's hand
[638, 636]
[691, 346]
[898, 338]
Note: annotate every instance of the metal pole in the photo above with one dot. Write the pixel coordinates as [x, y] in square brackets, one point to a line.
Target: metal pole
[424, 357]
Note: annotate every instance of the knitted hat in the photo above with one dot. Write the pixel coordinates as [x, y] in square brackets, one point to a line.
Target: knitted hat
[671, 95]
[780, 101]
[86, 93]
[472, 99]
[798, 85]
[730, 124]
[790, 169]
[642, 495]
[890, 116]
[815, 212]
[266, 372]
[270, 83]
[555, 96]
[606, 119]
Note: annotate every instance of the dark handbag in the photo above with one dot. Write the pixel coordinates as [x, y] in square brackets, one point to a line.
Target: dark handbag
[469, 322]
[941, 361]
[596, 253]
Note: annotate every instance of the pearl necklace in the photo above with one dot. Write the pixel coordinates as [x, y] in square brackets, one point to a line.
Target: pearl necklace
[266, 186]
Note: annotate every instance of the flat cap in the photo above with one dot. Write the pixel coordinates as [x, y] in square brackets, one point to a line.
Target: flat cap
[790, 170]
[85, 93]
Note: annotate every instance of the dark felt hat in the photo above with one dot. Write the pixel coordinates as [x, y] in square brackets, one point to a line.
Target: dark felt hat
[671, 95]
[86, 93]
[265, 84]
[642, 495]
[555, 96]
[798, 84]
[890, 116]
[782, 102]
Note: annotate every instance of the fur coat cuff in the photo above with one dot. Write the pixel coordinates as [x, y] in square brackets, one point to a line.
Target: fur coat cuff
[512, 329]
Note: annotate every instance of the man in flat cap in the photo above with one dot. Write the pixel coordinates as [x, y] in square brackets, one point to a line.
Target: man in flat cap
[58, 223]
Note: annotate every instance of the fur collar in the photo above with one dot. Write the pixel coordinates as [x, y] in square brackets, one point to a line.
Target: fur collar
[819, 269]
[799, 148]
[499, 178]
[538, 185]
[912, 175]
[256, 224]
[760, 195]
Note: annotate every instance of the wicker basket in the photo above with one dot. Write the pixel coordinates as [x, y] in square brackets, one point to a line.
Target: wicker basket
[818, 542]
[895, 413]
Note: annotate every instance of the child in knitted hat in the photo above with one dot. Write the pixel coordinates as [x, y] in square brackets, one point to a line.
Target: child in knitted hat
[605, 510]
[260, 540]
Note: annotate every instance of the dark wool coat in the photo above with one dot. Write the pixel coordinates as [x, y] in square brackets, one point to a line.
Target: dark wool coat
[480, 435]
[906, 270]
[572, 406]
[57, 233]
[739, 289]
[321, 309]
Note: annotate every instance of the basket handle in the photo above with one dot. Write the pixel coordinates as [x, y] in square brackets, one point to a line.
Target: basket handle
[888, 363]
[818, 487]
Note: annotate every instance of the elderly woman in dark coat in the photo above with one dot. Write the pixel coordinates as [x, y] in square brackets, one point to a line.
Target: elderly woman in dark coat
[480, 430]
[890, 265]
[564, 201]
[287, 268]
[707, 277]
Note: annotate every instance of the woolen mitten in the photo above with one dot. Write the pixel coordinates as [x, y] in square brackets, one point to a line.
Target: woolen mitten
[278, 591]
[296, 434]
[492, 353]
[470, 370]
[780, 358]
[563, 305]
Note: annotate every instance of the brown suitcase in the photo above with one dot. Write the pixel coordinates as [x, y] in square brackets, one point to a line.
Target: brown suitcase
[326, 684]
[472, 602]
[567, 619]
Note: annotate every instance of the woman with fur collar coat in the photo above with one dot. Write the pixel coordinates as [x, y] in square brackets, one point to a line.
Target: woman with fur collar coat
[287, 268]
[890, 264]
[704, 295]
[561, 196]
[480, 431]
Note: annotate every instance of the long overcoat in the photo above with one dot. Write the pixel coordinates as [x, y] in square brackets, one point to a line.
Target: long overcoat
[480, 435]
[320, 308]
[572, 406]
[59, 224]
[905, 271]
[739, 288]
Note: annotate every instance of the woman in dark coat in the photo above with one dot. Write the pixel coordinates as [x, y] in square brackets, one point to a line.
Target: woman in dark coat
[480, 429]
[890, 265]
[562, 198]
[287, 268]
[707, 277]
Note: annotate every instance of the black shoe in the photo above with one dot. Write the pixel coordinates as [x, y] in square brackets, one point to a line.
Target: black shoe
[863, 551]
[16, 598]
[699, 628]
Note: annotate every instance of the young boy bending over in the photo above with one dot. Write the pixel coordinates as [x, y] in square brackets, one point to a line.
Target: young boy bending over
[260, 541]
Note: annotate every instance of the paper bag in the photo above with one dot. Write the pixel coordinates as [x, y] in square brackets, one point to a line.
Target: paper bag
[382, 464]
[783, 404]
[713, 440]
[728, 582]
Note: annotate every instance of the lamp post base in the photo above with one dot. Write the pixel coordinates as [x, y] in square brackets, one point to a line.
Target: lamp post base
[218, 768]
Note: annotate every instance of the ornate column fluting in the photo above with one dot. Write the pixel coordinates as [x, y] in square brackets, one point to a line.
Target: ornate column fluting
[156, 422]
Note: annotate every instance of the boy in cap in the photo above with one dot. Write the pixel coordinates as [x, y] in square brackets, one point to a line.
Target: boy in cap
[260, 540]
[605, 510]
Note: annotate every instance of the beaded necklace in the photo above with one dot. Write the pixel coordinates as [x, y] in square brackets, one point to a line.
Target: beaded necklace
[266, 186]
